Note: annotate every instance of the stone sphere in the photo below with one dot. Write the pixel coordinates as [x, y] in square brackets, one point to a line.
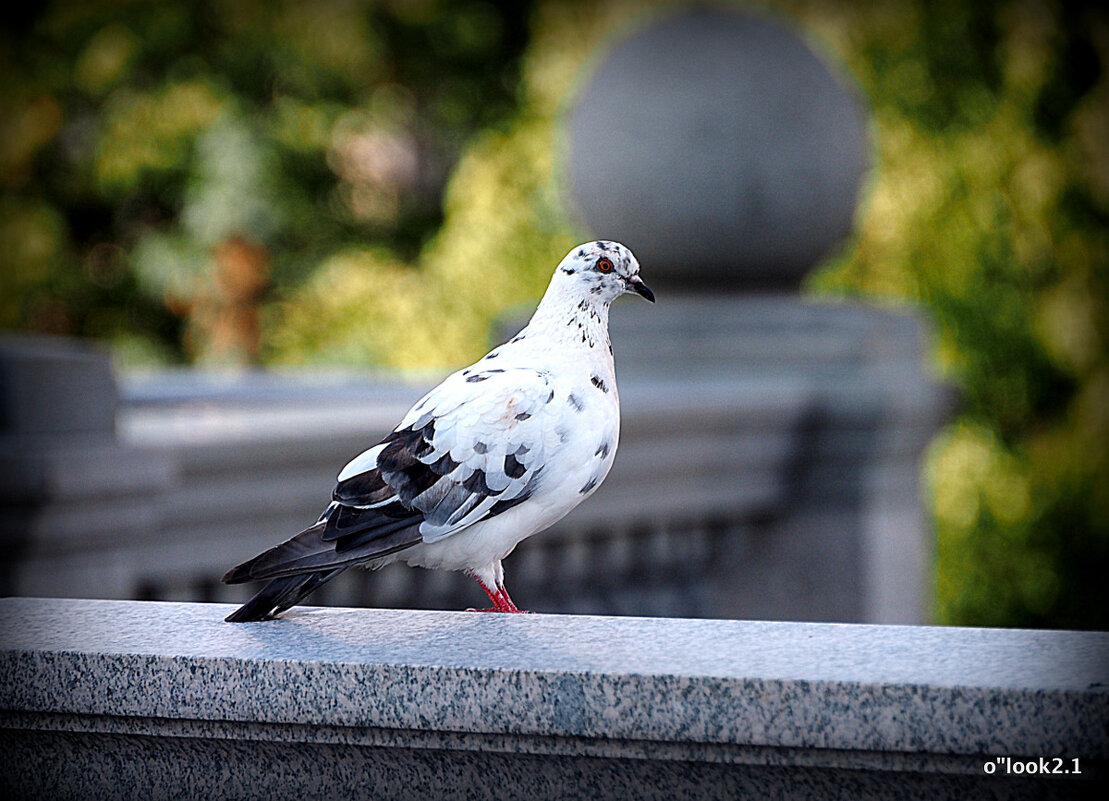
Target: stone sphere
[719, 148]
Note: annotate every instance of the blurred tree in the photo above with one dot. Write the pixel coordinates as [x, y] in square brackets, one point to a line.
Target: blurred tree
[167, 168]
[989, 207]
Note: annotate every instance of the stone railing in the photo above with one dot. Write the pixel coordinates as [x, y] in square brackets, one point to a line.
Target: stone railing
[104, 699]
[768, 468]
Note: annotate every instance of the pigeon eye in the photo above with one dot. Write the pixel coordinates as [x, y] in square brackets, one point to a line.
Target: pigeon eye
[604, 264]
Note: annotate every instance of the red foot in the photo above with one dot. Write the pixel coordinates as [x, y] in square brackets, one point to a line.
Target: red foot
[500, 599]
[507, 611]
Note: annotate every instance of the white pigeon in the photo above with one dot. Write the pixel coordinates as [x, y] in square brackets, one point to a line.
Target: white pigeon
[497, 452]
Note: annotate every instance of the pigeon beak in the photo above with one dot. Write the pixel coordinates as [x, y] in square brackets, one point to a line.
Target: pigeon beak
[636, 285]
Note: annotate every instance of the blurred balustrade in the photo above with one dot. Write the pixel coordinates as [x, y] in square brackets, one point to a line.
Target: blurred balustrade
[777, 480]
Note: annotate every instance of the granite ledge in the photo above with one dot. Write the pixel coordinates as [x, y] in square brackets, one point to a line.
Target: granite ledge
[532, 745]
[852, 692]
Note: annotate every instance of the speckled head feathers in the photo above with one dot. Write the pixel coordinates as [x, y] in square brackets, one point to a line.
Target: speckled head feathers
[602, 270]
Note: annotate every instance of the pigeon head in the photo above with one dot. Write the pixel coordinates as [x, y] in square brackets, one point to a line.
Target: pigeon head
[603, 271]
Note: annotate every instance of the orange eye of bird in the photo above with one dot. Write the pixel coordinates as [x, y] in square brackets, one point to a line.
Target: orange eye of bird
[604, 265]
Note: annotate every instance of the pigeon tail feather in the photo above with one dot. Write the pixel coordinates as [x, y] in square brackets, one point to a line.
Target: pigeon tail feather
[279, 595]
[313, 550]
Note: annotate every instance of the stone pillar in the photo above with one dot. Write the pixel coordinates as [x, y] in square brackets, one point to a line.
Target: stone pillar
[69, 491]
[720, 148]
[729, 157]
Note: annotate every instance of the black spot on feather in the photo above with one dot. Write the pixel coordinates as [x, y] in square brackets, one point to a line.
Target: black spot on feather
[523, 416]
[590, 484]
[399, 450]
[480, 447]
[412, 480]
[476, 378]
[598, 383]
[575, 401]
[444, 464]
[513, 468]
[476, 484]
[365, 489]
[602, 451]
[423, 448]
[400, 467]
[550, 397]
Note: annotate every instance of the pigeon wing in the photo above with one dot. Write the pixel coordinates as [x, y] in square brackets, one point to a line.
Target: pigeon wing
[472, 448]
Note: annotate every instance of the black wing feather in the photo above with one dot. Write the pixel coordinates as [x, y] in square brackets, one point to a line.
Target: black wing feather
[399, 470]
[280, 594]
[324, 546]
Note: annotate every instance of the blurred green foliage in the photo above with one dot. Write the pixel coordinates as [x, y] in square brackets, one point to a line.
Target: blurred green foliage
[989, 207]
[168, 170]
[372, 182]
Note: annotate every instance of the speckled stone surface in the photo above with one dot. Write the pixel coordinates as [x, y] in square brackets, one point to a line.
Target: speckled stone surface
[780, 709]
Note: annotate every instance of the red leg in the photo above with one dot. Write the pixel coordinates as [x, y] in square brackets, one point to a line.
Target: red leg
[499, 597]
